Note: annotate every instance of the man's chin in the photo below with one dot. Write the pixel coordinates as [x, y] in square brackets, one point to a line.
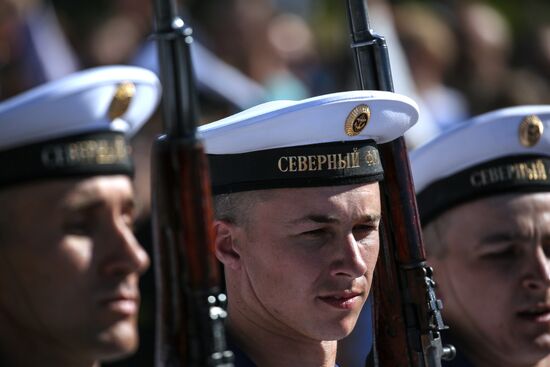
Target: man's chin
[530, 352]
[118, 342]
[341, 330]
[542, 342]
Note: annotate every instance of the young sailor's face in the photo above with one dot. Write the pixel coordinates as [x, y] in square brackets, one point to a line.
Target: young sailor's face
[495, 276]
[70, 266]
[307, 258]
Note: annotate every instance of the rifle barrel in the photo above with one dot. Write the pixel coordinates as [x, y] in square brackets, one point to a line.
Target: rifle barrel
[408, 319]
[176, 71]
[190, 304]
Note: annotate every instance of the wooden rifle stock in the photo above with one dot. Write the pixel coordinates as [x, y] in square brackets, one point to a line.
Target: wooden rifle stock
[407, 313]
[190, 304]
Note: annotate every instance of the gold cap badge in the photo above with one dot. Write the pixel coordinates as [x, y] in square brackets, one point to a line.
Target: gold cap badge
[530, 131]
[357, 120]
[121, 100]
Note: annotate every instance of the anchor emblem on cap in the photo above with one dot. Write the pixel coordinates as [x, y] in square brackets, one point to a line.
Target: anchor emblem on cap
[530, 131]
[121, 100]
[357, 120]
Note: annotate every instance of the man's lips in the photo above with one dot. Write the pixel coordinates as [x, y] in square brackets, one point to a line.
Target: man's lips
[539, 312]
[344, 300]
[122, 303]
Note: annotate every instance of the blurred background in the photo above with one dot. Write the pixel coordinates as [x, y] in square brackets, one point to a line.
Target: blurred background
[455, 58]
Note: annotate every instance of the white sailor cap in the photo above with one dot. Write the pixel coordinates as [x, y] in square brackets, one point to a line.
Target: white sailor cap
[321, 141]
[77, 125]
[502, 151]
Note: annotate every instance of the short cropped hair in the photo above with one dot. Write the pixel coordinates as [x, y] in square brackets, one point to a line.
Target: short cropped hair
[235, 207]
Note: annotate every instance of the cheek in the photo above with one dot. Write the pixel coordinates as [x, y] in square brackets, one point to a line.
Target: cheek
[482, 292]
[282, 270]
[43, 284]
[370, 255]
[485, 279]
[71, 258]
[77, 253]
[58, 271]
[372, 252]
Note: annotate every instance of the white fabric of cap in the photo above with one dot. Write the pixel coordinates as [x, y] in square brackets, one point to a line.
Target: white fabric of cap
[314, 120]
[481, 139]
[77, 104]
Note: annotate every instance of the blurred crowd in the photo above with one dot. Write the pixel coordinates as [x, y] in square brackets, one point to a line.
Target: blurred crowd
[456, 58]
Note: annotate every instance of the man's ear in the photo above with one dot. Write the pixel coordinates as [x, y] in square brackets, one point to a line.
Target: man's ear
[226, 244]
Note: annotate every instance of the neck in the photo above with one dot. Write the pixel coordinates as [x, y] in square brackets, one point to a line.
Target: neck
[274, 348]
[490, 358]
[24, 348]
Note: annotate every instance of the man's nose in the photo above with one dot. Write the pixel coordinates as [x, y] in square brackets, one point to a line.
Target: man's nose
[538, 275]
[124, 254]
[351, 258]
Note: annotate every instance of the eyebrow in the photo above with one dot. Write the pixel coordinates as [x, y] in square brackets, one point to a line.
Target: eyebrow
[82, 205]
[324, 219]
[88, 201]
[371, 217]
[500, 237]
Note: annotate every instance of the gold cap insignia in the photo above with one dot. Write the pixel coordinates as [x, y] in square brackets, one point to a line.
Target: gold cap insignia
[357, 119]
[123, 96]
[530, 131]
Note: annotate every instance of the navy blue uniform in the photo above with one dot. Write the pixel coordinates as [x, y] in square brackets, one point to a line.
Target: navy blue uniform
[458, 361]
[241, 359]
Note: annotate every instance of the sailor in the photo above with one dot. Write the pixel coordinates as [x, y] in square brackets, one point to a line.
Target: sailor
[297, 215]
[69, 262]
[483, 192]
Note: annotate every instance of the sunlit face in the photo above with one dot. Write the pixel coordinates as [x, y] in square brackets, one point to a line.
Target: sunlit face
[495, 276]
[307, 258]
[70, 267]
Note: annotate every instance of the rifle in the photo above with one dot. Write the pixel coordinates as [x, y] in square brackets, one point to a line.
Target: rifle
[407, 320]
[190, 305]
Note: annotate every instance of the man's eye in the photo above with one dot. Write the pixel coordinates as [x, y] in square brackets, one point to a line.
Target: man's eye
[365, 233]
[315, 233]
[316, 236]
[363, 230]
[506, 253]
[365, 227]
[81, 228]
[129, 220]
[129, 215]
